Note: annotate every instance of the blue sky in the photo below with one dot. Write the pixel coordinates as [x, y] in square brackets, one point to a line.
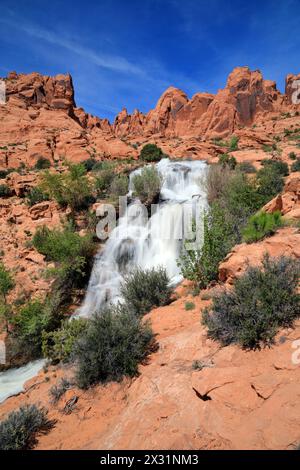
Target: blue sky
[125, 53]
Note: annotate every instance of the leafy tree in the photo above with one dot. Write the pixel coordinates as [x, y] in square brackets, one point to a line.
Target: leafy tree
[151, 153]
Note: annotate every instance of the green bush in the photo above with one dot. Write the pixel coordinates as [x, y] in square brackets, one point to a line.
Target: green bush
[57, 391]
[145, 289]
[68, 249]
[270, 183]
[35, 196]
[233, 198]
[3, 173]
[189, 306]
[281, 167]
[147, 185]
[71, 188]
[5, 190]
[296, 165]
[292, 155]
[227, 160]
[262, 225]
[29, 324]
[261, 301]
[89, 163]
[201, 266]
[113, 345]
[246, 167]
[20, 429]
[42, 164]
[119, 186]
[6, 285]
[58, 345]
[103, 181]
[151, 153]
[233, 143]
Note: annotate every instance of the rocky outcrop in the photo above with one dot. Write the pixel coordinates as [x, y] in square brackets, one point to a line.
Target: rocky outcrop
[246, 98]
[286, 242]
[36, 90]
[40, 119]
[288, 203]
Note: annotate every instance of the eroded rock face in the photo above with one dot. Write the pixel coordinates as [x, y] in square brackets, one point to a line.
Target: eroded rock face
[246, 98]
[40, 119]
[26, 90]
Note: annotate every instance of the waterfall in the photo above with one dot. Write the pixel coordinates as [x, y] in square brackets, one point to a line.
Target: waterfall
[137, 241]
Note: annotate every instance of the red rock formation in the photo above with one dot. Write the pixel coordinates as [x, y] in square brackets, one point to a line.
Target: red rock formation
[40, 119]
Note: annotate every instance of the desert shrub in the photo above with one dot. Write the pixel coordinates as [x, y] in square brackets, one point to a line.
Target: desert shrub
[35, 196]
[29, 323]
[281, 167]
[71, 252]
[6, 285]
[6, 281]
[227, 160]
[217, 181]
[89, 163]
[5, 190]
[261, 225]
[233, 198]
[113, 345]
[21, 428]
[147, 185]
[71, 188]
[189, 306]
[151, 153]
[119, 186]
[57, 391]
[246, 167]
[233, 143]
[3, 173]
[296, 165]
[262, 300]
[42, 164]
[201, 266]
[270, 183]
[292, 155]
[58, 345]
[103, 181]
[144, 289]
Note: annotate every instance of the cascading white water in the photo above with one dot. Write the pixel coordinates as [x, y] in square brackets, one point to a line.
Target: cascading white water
[147, 244]
[12, 380]
[134, 242]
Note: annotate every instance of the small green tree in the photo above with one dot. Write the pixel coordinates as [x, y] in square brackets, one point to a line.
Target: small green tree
[6, 285]
[151, 153]
[262, 225]
[42, 164]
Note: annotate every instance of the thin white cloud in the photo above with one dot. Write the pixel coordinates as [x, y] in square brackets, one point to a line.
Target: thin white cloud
[108, 61]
